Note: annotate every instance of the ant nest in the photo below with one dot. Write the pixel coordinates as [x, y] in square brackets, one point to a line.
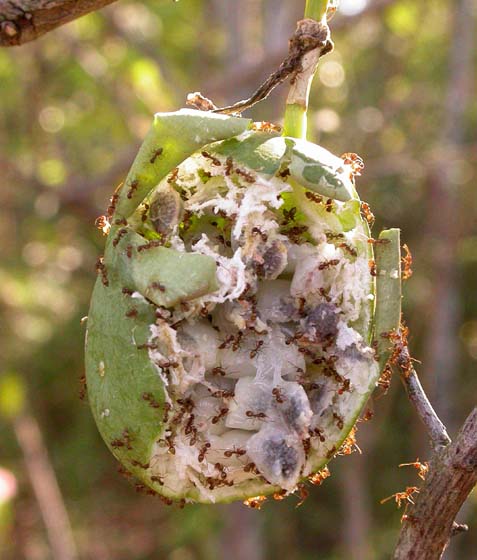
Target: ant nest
[263, 377]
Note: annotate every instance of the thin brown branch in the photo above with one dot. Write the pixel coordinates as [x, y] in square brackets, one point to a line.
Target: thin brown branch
[435, 428]
[22, 21]
[309, 36]
[45, 487]
[429, 524]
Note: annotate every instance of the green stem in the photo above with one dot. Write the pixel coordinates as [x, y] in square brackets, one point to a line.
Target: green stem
[316, 9]
[295, 123]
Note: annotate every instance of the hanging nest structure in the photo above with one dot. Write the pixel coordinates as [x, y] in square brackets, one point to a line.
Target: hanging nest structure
[241, 315]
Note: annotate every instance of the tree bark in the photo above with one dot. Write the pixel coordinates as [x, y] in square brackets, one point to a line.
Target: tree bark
[428, 525]
[22, 21]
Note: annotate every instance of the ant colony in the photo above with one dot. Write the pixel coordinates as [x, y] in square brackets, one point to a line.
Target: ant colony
[264, 376]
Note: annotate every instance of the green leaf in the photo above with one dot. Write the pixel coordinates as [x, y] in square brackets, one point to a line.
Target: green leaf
[172, 138]
[259, 151]
[319, 170]
[388, 290]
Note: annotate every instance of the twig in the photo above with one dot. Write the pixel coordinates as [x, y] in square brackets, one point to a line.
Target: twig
[309, 36]
[429, 523]
[435, 428]
[45, 487]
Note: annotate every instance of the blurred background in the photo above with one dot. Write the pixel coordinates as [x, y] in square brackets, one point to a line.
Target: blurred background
[399, 89]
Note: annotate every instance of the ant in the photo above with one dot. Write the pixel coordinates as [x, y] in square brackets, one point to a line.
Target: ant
[318, 478]
[219, 371]
[121, 233]
[372, 267]
[328, 264]
[351, 250]
[156, 154]
[239, 452]
[277, 393]
[189, 425]
[316, 198]
[259, 415]
[354, 161]
[203, 451]
[149, 398]
[258, 231]
[101, 269]
[214, 160]
[405, 496]
[222, 412]
[221, 469]
[103, 224]
[170, 444]
[83, 388]
[254, 352]
[255, 503]
[223, 394]
[372, 241]
[368, 215]
[173, 175]
[303, 494]
[339, 420]
[422, 468]
[251, 468]
[133, 312]
[407, 263]
[158, 286]
[132, 187]
[112, 203]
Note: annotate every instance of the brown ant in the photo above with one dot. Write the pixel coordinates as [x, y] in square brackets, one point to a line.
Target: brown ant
[368, 215]
[149, 397]
[258, 231]
[112, 203]
[132, 187]
[259, 415]
[325, 265]
[143, 466]
[121, 233]
[214, 160]
[255, 503]
[277, 393]
[83, 388]
[255, 351]
[252, 468]
[422, 468]
[239, 452]
[303, 493]
[372, 241]
[158, 479]
[103, 224]
[221, 469]
[339, 421]
[372, 267]
[318, 478]
[351, 250]
[127, 291]
[156, 154]
[133, 312]
[223, 394]
[222, 412]
[170, 444]
[316, 198]
[405, 496]
[158, 286]
[101, 269]
[219, 371]
[354, 161]
[173, 175]
[406, 263]
[203, 451]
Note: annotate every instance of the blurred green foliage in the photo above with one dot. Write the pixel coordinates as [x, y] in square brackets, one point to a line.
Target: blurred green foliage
[74, 107]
